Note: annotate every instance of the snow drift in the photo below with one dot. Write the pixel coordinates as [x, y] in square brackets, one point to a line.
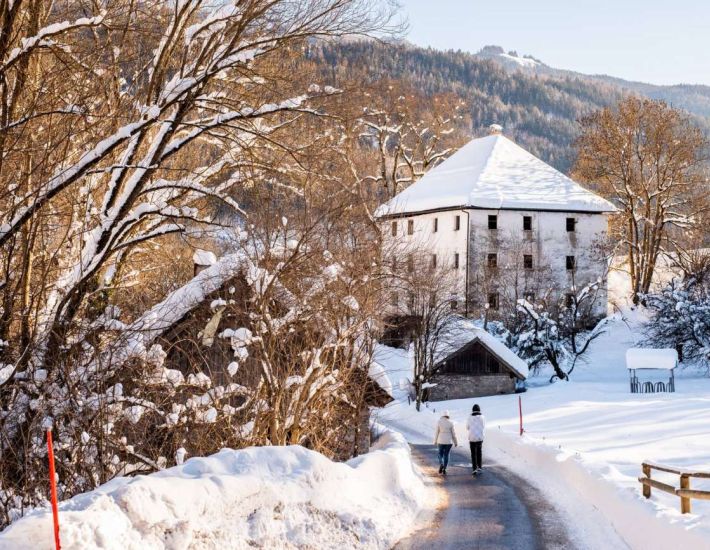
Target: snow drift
[261, 497]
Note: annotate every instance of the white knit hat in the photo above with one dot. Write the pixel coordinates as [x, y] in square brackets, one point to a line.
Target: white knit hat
[446, 413]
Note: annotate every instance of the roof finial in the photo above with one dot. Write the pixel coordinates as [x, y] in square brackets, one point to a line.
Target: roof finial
[495, 129]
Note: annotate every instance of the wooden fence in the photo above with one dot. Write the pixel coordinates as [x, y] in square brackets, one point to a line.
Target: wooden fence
[684, 491]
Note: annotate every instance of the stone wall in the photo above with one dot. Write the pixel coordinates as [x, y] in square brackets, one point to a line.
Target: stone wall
[461, 386]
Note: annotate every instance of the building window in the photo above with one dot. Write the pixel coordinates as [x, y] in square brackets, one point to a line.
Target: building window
[433, 260]
[411, 301]
[457, 223]
[436, 225]
[394, 229]
[570, 263]
[410, 227]
[571, 223]
[527, 223]
[527, 261]
[569, 300]
[395, 299]
[492, 221]
[456, 260]
[492, 260]
[410, 263]
[493, 300]
[454, 305]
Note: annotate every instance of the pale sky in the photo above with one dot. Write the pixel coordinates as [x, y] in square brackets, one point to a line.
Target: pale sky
[657, 41]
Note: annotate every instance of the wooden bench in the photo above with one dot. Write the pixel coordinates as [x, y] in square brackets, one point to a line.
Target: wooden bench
[684, 491]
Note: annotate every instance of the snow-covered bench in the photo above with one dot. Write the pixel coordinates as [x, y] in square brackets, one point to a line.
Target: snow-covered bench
[646, 359]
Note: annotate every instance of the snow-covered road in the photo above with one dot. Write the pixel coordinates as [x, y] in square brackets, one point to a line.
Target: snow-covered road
[496, 510]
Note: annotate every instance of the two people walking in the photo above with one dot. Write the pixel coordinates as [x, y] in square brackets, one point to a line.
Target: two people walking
[445, 438]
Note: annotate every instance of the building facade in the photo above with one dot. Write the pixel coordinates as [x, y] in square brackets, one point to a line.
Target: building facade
[505, 223]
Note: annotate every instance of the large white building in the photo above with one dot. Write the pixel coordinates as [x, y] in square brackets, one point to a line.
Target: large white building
[508, 225]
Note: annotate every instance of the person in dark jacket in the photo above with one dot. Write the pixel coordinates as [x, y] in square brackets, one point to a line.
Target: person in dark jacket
[476, 427]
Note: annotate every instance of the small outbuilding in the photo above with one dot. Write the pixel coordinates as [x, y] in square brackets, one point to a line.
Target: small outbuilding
[647, 365]
[476, 365]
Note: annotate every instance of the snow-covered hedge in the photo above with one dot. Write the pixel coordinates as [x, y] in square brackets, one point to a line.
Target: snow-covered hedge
[263, 497]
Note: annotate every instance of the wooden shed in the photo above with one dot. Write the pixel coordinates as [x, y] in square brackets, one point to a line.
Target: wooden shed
[477, 366]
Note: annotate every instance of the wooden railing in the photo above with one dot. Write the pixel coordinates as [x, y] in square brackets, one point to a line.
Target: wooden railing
[684, 491]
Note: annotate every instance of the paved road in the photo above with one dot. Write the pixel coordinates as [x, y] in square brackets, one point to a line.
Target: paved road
[494, 511]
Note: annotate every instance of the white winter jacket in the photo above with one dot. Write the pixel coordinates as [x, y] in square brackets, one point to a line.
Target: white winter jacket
[445, 433]
[476, 427]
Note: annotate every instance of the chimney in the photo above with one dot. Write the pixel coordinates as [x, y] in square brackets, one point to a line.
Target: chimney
[495, 129]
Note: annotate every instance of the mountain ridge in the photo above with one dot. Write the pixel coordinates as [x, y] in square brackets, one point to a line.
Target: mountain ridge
[538, 106]
[671, 93]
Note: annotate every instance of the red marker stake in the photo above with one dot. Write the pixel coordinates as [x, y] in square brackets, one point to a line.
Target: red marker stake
[520, 410]
[53, 488]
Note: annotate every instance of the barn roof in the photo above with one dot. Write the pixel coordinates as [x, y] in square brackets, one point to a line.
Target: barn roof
[465, 333]
[493, 172]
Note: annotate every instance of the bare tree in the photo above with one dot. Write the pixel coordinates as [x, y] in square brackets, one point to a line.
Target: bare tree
[646, 157]
[401, 133]
[427, 301]
[124, 125]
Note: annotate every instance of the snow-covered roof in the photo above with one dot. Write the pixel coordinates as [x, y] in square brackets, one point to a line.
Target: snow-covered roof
[464, 332]
[378, 374]
[648, 358]
[204, 257]
[493, 172]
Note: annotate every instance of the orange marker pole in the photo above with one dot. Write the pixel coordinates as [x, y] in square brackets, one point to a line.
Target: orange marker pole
[53, 488]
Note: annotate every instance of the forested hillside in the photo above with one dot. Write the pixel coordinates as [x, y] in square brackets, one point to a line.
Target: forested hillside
[538, 110]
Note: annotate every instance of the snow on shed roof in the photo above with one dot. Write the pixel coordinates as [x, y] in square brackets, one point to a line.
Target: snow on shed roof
[648, 358]
[378, 375]
[493, 172]
[204, 257]
[464, 332]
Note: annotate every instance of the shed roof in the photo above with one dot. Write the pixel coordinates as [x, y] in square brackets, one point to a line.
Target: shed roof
[465, 333]
[649, 358]
[494, 172]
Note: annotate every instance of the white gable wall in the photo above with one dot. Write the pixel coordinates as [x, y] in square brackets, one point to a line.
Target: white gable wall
[445, 242]
[549, 243]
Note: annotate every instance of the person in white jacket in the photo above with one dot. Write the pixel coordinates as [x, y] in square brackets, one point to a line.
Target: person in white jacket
[476, 427]
[445, 438]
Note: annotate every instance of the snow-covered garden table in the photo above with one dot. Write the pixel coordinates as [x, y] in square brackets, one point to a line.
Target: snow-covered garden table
[647, 359]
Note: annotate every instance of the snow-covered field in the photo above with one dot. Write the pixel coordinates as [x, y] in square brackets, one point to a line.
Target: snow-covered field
[266, 497]
[585, 441]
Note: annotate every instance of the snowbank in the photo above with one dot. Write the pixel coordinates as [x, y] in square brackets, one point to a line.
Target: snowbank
[580, 486]
[261, 497]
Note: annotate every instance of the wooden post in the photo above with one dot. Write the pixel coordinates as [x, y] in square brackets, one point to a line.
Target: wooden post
[520, 411]
[684, 501]
[53, 488]
[647, 473]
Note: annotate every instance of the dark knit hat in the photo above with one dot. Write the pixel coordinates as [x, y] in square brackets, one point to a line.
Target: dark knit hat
[476, 409]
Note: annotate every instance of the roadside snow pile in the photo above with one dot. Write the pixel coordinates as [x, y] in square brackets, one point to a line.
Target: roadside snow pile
[261, 497]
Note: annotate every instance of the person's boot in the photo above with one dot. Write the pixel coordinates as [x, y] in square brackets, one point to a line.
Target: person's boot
[441, 468]
[443, 471]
